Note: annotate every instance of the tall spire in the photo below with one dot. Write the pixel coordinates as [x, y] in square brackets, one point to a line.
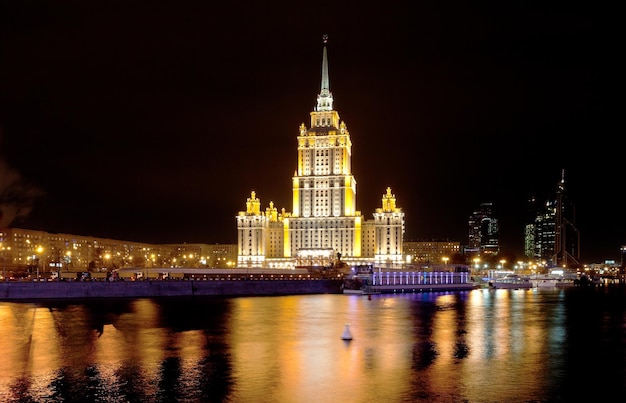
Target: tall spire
[325, 97]
[325, 81]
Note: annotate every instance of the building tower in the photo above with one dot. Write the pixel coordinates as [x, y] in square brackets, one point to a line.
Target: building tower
[544, 226]
[324, 225]
[530, 230]
[556, 239]
[484, 230]
[324, 219]
[566, 236]
[251, 230]
[389, 224]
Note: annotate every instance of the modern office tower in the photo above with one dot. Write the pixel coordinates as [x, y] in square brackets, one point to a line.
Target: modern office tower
[553, 231]
[324, 226]
[484, 230]
[567, 237]
[530, 230]
[544, 227]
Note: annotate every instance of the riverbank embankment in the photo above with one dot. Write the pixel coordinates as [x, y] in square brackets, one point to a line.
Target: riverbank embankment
[31, 290]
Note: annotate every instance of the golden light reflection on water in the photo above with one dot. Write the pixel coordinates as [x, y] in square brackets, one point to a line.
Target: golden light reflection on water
[414, 347]
[111, 346]
[505, 341]
[299, 352]
[450, 351]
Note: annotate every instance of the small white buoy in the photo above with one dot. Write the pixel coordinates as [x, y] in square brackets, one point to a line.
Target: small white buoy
[346, 333]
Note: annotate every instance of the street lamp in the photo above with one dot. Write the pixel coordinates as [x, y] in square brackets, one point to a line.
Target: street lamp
[68, 259]
[2, 249]
[39, 251]
[502, 262]
[476, 261]
[445, 262]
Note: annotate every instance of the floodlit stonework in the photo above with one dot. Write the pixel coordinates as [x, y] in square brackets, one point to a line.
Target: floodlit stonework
[324, 227]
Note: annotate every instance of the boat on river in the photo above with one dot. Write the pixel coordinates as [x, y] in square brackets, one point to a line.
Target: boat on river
[511, 281]
[557, 278]
[551, 281]
[545, 280]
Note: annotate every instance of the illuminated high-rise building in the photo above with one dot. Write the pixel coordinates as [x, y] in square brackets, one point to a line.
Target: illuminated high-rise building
[552, 236]
[324, 225]
[484, 230]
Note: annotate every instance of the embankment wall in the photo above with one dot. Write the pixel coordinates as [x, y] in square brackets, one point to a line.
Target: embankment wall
[16, 290]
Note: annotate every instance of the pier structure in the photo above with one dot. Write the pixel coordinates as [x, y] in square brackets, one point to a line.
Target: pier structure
[407, 281]
[394, 278]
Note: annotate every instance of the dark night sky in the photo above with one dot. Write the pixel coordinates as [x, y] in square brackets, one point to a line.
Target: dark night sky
[153, 121]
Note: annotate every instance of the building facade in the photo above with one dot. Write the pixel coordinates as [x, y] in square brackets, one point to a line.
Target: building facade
[484, 231]
[324, 226]
[29, 252]
[551, 236]
[424, 254]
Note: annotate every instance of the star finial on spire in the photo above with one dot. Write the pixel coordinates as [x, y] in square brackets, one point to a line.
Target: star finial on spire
[324, 98]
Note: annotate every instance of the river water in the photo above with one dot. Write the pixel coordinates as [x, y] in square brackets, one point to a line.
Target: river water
[538, 345]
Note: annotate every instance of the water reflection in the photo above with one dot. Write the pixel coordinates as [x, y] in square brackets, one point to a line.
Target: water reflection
[481, 345]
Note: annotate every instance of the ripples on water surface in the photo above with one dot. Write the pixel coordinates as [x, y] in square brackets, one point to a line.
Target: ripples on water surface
[534, 345]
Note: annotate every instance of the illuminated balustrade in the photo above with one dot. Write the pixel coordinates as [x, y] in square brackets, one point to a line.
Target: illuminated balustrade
[418, 278]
